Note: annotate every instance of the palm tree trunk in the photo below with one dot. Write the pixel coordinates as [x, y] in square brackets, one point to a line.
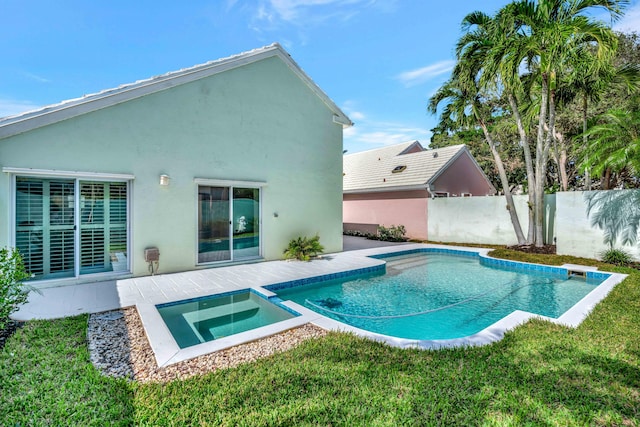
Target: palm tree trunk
[531, 177]
[541, 164]
[585, 142]
[606, 180]
[550, 138]
[562, 161]
[505, 186]
[563, 169]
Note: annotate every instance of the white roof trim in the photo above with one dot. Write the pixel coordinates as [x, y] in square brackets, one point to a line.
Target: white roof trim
[390, 189]
[24, 122]
[68, 174]
[229, 183]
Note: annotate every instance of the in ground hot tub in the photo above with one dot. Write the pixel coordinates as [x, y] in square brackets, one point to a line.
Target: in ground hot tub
[210, 318]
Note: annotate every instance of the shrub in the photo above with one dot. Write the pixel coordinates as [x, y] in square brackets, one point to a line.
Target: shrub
[616, 257]
[392, 234]
[358, 233]
[303, 248]
[12, 292]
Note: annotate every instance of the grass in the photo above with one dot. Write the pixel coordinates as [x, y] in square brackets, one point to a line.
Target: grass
[539, 374]
[46, 378]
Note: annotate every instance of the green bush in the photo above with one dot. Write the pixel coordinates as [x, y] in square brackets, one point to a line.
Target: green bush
[12, 291]
[392, 234]
[358, 233]
[303, 248]
[616, 257]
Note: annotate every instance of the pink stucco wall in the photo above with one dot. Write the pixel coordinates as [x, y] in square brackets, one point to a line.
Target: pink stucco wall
[462, 176]
[408, 208]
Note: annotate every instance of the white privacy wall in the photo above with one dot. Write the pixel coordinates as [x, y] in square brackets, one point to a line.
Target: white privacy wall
[482, 219]
[567, 223]
[576, 236]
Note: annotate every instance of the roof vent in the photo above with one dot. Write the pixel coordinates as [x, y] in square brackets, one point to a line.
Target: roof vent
[399, 169]
[435, 154]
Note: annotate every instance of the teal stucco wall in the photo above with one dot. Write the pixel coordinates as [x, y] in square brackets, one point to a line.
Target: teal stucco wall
[258, 122]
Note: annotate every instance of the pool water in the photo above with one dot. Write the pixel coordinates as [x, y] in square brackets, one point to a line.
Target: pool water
[206, 319]
[438, 296]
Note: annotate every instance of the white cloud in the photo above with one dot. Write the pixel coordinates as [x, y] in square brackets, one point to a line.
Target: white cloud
[421, 75]
[271, 14]
[37, 78]
[11, 107]
[356, 115]
[369, 132]
[631, 20]
[350, 108]
[374, 134]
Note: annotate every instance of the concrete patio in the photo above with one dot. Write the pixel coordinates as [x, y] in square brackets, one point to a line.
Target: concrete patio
[71, 300]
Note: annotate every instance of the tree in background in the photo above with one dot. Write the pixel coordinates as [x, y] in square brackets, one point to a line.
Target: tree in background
[467, 105]
[548, 39]
[614, 143]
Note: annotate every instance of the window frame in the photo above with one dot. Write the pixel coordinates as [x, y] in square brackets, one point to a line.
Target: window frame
[231, 184]
[77, 177]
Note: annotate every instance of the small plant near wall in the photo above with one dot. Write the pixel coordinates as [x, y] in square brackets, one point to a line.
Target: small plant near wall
[616, 257]
[392, 234]
[13, 292]
[358, 233]
[303, 248]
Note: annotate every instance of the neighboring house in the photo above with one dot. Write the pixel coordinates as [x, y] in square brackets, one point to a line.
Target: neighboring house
[222, 162]
[392, 185]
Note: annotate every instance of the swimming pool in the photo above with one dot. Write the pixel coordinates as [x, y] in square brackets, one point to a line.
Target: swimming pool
[270, 280]
[446, 295]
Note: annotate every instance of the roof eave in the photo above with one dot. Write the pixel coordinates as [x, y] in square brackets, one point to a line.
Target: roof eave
[386, 189]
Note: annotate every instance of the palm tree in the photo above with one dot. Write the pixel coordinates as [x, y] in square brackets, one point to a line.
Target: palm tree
[615, 143]
[483, 44]
[548, 38]
[549, 33]
[466, 105]
[588, 83]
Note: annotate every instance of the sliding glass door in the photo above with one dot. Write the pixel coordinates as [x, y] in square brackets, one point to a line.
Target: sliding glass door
[71, 227]
[214, 243]
[246, 222]
[228, 223]
[103, 226]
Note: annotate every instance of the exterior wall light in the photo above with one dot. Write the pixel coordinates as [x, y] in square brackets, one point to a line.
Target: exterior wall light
[164, 180]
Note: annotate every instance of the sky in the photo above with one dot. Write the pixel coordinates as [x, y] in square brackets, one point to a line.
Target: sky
[378, 60]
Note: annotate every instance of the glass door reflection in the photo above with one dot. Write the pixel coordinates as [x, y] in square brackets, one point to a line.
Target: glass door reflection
[246, 222]
[214, 236]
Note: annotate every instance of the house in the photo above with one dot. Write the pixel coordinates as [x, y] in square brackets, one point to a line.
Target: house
[221, 162]
[392, 185]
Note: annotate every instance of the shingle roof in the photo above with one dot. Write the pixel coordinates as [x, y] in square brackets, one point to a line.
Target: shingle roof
[371, 170]
[13, 125]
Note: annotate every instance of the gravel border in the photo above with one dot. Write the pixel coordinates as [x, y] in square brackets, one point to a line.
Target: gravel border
[118, 347]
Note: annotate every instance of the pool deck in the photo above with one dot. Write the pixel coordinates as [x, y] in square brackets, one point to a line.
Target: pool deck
[71, 300]
[148, 291]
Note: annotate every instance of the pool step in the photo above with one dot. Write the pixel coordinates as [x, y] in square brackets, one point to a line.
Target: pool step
[206, 327]
[203, 321]
[219, 311]
[409, 262]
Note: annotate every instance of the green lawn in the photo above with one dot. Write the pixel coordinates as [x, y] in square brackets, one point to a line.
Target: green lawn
[539, 374]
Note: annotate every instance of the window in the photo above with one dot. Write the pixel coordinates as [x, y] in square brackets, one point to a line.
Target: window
[68, 227]
[228, 223]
